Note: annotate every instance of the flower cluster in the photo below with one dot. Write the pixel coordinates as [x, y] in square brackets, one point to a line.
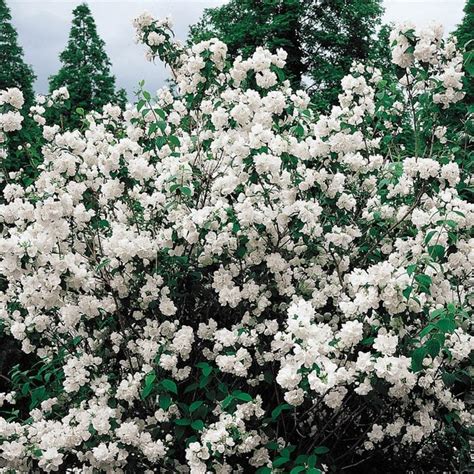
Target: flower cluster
[427, 47]
[218, 280]
[11, 101]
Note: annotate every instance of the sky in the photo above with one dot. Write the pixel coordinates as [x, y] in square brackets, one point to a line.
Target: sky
[43, 29]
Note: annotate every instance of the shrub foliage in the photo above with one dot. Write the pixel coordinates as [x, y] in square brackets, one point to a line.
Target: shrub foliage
[220, 280]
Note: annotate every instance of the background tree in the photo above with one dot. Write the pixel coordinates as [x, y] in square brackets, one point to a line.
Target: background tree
[14, 72]
[465, 30]
[460, 116]
[337, 33]
[322, 37]
[380, 53]
[465, 36]
[85, 69]
[457, 117]
[246, 24]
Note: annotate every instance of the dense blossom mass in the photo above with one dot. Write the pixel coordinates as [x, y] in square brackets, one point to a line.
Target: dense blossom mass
[218, 280]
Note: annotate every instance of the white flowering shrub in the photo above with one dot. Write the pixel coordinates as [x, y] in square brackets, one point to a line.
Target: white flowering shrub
[217, 280]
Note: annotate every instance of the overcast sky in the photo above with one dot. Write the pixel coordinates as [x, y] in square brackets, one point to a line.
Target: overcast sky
[43, 28]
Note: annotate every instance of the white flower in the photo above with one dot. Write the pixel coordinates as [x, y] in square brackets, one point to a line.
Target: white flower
[10, 121]
[288, 377]
[386, 344]
[13, 97]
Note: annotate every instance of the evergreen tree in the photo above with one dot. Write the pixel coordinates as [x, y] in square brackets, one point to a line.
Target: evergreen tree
[13, 71]
[322, 37]
[85, 69]
[246, 24]
[457, 118]
[465, 36]
[337, 33]
[465, 31]
[380, 52]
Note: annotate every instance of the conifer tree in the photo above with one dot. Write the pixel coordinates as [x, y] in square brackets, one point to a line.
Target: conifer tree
[246, 24]
[457, 117]
[14, 72]
[337, 33]
[85, 69]
[465, 36]
[322, 37]
[465, 30]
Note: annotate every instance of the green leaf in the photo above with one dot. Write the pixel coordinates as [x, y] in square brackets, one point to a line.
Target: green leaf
[203, 381]
[149, 384]
[417, 357]
[368, 341]
[436, 252]
[451, 223]
[241, 251]
[195, 405]
[280, 74]
[174, 140]
[227, 401]
[191, 388]
[423, 279]
[160, 141]
[321, 450]
[469, 62]
[440, 337]
[182, 422]
[301, 459]
[280, 461]
[298, 130]
[160, 112]
[37, 452]
[427, 330]
[297, 469]
[37, 396]
[198, 425]
[170, 386]
[245, 397]
[451, 308]
[446, 325]
[429, 236]
[277, 411]
[407, 292]
[411, 269]
[424, 282]
[312, 460]
[103, 264]
[448, 378]
[179, 432]
[186, 191]
[164, 401]
[437, 312]
[102, 224]
[433, 347]
[205, 367]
